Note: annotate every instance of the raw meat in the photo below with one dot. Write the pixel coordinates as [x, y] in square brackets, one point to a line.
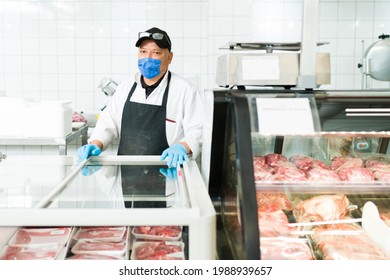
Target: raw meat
[261, 169]
[110, 234]
[306, 163]
[157, 251]
[287, 172]
[94, 257]
[159, 231]
[322, 208]
[322, 175]
[284, 249]
[280, 200]
[355, 174]
[99, 247]
[273, 223]
[27, 236]
[44, 252]
[274, 159]
[345, 162]
[346, 242]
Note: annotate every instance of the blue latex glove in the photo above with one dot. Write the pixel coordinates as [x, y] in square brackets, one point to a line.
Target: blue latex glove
[175, 155]
[169, 173]
[88, 150]
[88, 170]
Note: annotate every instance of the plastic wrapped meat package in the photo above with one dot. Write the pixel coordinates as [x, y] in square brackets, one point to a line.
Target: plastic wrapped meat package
[37, 244]
[43, 252]
[345, 242]
[168, 233]
[285, 249]
[108, 234]
[105, 245]
[158, 250]
[37, 236]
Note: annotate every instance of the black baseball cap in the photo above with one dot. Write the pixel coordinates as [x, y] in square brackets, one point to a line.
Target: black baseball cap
[160, 37]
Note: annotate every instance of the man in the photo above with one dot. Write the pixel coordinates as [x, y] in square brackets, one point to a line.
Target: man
[158, 112]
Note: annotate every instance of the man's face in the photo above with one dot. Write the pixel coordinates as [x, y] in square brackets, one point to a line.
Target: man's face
[149, 49]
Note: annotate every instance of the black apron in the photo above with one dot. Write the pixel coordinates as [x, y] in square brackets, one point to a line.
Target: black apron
[143, 133]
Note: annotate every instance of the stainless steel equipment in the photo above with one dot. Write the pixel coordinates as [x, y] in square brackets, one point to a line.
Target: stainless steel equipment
[376, 60]
[108, 86]
[245, 65]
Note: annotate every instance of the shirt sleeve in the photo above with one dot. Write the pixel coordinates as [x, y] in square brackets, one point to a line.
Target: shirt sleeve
[186, 105]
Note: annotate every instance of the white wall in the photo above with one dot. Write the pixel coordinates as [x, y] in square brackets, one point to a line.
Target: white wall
[61, 49]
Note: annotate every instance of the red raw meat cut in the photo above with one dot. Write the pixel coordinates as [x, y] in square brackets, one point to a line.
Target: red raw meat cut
[26, 236]
[288, 172]
[99, 247]
[44, 252]
[114, 234]
[355, 174]
[280, 200]
[284, 249]
[322, 208]
[322, 175]
[161, 231]
[93, 257]
[345, 162]
[306, 163]
[261, 169]
[157, 250]
[377, 161]
[273, 223]
[346, 242]
[259, 160]
[275, 159]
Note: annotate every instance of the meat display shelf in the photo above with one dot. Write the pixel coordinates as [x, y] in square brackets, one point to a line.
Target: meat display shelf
[346, 124]
[47, 191]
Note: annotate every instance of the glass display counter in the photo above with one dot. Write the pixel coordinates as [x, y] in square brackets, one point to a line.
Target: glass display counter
[107, 191]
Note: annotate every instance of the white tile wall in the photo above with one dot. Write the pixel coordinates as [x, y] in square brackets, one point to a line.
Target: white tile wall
[61, 49]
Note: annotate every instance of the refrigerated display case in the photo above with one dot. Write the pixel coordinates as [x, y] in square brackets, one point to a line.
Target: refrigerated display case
[246, 184]
[107, 191]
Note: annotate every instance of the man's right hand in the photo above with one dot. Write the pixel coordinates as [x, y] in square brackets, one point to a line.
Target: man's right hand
[88, 150]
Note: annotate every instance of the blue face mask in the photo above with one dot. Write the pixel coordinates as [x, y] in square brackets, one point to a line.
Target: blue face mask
[149, 67]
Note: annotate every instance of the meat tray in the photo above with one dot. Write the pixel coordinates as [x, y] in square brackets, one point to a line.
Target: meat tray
[158, 250]
[164, 233]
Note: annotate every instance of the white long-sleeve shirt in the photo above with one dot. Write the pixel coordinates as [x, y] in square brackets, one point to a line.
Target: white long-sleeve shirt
[184, 119]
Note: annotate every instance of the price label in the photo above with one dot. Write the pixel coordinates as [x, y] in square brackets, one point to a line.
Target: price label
[283, 116]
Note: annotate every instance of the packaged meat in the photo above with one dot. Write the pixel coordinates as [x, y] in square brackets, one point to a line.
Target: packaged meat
[171, 233]
[39, 236]
[165, 250]
[109, 234]
[322, 208]
[42, 252]
[285, 249]
[346, 242]
[99, 247]
[94, 257]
